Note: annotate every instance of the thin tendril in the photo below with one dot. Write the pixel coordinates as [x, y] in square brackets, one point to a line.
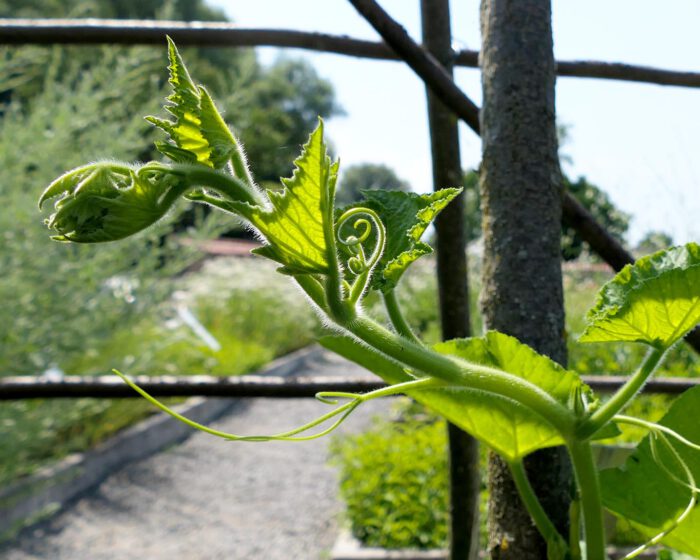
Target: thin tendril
[331, 397]
[659, 432]
[659, 462]
[356, 399]
[653, 426]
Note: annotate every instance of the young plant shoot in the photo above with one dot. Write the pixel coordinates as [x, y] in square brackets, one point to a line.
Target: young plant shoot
[502, 392]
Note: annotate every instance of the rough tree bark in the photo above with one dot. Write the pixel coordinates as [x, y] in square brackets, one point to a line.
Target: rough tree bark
[520, 185]
[453, 284]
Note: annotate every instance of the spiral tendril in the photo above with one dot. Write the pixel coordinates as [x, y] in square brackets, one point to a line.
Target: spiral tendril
[363, 226]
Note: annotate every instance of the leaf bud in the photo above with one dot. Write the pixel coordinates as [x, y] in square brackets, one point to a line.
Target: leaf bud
[106, 201]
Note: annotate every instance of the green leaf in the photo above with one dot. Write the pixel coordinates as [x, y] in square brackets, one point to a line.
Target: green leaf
[198, 131]
[406, 216]
[656, 300]
[506, 426]
[298, 224]
[108, 201]
[643, 493]
[501, 423]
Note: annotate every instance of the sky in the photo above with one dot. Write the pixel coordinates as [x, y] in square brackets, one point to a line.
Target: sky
[638, 142]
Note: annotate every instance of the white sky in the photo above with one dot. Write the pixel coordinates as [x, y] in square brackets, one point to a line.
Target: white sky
[639, 142]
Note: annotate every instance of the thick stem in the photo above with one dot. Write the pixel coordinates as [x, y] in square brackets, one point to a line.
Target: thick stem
[467, 374]
[534, 507]
[396, 317]
[591, 504]
[623, 396]
[227, 185]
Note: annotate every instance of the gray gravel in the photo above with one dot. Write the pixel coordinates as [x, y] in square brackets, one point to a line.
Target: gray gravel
[210, 499]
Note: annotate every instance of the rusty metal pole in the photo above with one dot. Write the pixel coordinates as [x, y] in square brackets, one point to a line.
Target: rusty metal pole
[452, 279]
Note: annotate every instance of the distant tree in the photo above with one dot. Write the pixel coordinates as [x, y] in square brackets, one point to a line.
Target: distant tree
[274, 111]
[597, 202]
[472, 205]
[592, 197]
[364, 176]
[653, 241]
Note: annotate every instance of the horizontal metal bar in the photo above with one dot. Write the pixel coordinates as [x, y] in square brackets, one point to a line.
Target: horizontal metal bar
[222, 34]
[111, 386]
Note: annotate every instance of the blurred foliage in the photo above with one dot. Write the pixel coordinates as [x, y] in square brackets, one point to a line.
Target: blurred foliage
[273, 109]
[589, 195]
[394, 480]
[367, 176]
[227, 296]
[58, 299]
[85, 309]
[652, 242]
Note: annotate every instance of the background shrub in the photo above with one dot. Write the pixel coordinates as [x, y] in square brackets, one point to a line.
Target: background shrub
[393, 478]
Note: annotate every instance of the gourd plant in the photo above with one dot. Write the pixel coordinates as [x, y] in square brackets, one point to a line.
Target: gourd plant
[511, 398]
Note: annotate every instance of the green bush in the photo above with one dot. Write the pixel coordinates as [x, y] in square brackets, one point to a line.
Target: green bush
[394, 481]
[59, 300]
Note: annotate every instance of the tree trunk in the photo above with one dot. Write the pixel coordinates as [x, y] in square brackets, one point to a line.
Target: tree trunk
[452, 281]
[521, 201]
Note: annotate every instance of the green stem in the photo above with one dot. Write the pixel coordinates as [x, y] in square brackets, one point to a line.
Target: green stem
[591, 503]
[542, 521]
[314, 289]
[239, 164]
[172, 195]
[623, 396]
[232, 187]
[575, 530]
[466, 374]
[396, 317]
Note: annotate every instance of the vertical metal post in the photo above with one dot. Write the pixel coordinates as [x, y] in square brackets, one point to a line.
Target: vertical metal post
[452, 279]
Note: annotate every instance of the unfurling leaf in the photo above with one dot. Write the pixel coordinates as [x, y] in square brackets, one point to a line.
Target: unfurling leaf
[656, 300]
[298, 225]
[406, 216]
[108, 201]
[199, 132]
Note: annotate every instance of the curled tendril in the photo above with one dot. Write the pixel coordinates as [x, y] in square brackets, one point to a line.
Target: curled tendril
[365, 221]
[660, 433]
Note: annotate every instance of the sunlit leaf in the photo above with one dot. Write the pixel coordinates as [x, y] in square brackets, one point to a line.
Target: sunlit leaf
[655, 301]
[198, 131]
[299, 221]
[643, 493]
[501, 423]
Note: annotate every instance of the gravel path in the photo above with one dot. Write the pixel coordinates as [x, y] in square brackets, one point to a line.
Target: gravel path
[209, 499]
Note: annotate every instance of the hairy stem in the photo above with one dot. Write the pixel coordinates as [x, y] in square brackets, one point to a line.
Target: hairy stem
[590, 498]
[314, 289]
[397, 318]
[231, 187]
[623, 396]
[460, 372]
[534, 507]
